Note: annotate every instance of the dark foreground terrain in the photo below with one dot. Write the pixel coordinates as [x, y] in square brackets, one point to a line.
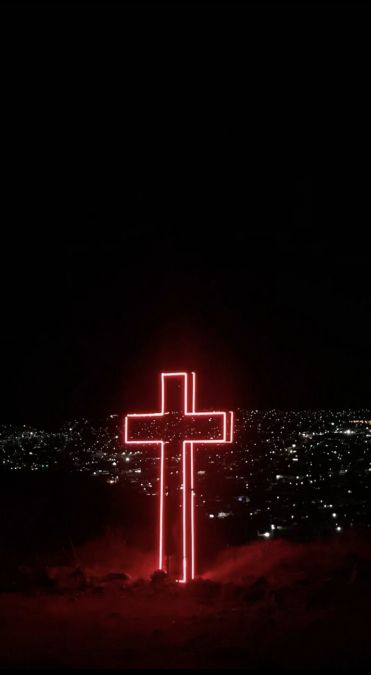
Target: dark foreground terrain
[270, 604]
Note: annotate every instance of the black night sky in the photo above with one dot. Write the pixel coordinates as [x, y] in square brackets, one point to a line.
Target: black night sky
[168, 204]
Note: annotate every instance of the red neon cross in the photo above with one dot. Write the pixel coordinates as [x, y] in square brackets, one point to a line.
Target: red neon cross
[187, 429]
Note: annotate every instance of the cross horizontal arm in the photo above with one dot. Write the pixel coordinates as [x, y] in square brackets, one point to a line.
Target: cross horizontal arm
[197, 427]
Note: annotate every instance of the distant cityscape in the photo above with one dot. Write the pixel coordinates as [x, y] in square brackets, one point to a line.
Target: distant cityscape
[287, 472]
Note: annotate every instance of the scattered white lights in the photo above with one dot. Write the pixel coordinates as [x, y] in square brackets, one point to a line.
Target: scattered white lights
[302, 458]
[223, 514]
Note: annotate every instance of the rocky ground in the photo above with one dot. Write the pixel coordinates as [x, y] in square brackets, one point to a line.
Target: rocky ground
[269, 605]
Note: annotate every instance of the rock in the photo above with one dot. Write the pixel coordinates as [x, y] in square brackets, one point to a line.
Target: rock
[68, 578]
[116, 576]
[158, 577]
[205, 590]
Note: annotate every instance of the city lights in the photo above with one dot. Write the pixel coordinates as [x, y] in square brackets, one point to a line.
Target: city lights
[258, 483]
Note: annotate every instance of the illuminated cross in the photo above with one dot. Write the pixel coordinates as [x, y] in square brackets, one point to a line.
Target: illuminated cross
[176, 429]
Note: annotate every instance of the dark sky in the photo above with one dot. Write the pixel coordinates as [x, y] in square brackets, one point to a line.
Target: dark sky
[169, 206]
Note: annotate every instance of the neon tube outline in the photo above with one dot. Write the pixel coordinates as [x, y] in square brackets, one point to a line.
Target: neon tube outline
[185, 442]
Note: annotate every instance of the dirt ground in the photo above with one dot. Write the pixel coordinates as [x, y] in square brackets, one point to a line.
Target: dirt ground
[271, 604]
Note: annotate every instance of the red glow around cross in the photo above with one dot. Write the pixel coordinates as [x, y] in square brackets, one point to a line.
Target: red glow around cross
[194, 428]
